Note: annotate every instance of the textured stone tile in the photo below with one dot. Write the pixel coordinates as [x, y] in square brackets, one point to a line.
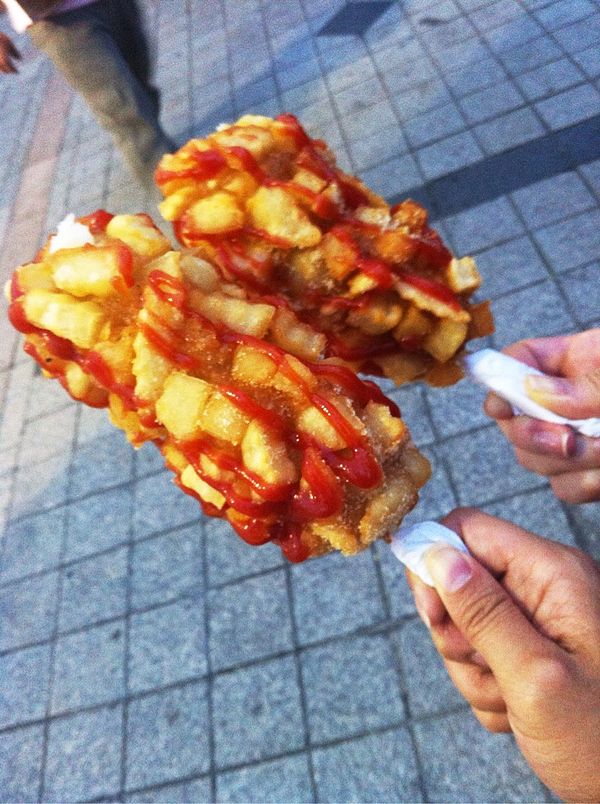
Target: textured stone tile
[491, 15]
[491, 101]
[230, 558]
[449, 155]
[547, 201]
[45, 397]
[509, 130]
[379, 767]
[550, 79]
[249, 620]
[84, 756]
[382, 146]
[257, 712]
[359, 96]
[486, 468]
[483, 226]
[88, 667]
[509, 266]
[48, 491]
[24, 678]
[47, 436]
[557, 15]
[98, 523]
[539, 512]
[334, 595]
[513, 34]
[572, 242]
[166, 645]
[159, 504]
[100, 463]
[167, 736]
[457, 408]
[587, 520]
[427, 683]
[20, 763]
[27, 610]
[352, 687]
[400, 599]
[280, 780]
[397, 175]
[581, 288]
[408, 74]
[541, 312]
[434, 125]
[411, 401]
[148, 460]
[93, 590]
[436, 497]
[167, 567]
[427, 94]
[571, 106]
[484, 73]
[589, 61]
[480, 766]
[32, 545]
[182, 793]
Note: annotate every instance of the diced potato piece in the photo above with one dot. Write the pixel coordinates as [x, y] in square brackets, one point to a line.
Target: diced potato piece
[417, 466]
[199, 272]
[222, 419]
[276, 211]
[296, 337]
[308, 179]
[209, 494]
[237, 314]
[34, 275]
[413, 322]
[379, 316]
[256, 139]
[482, 320]
[462, 275]
[314, 422]
[81, 322]
[307, 267]
[339, 536]
[174, 205]
[340, 256]
[169, 263]
[376, 216]
[267, 456]
[441, 375]
[403, 368]
[387, 431]
[386, 509]
[150, 369]
[241, 185]
[216, 213]
[361, 283]
[445, 339]
[78, 382]
[88, 271]
[432, 304]
[296, 383]
[181, 403]
[139, 233]
[252, 366]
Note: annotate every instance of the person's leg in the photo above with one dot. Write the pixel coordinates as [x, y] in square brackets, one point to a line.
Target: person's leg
[83, 47]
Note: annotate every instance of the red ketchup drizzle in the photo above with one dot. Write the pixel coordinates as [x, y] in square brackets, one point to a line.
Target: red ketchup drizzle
[208, 165]
[378, 270]
[97, 221]
[431, 288]
[324, 496]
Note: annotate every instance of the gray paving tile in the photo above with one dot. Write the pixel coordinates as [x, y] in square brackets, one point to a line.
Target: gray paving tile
[280, 780]
[557, 15]
[509, 130]
[581, 288]
[539, 512]
[230, 558]
[98, 522]
[45, 397]
[167, 736]
[379, 767]
[428, 94]
[166, 645]
[513, 34]
[411, 401]
[48, 491]
[434, 125]
[448, 155]
[547, 201]
[428, 685]
[193, 792]
[571, 106]
[572, 242]
[21, 763]
[24, 678]
[550, 79]
[352, 687]
[533, 54]
[88, 667]
[334, 595]
[249, 620]
[148, 460]
[378, 147]
[84, 756]
[27, 610]
[487, 468]
[457, 408]
[491, 15]
[100, 463]
[480, 766]
[359, 96]
[93, 590]
[491, 101]
[257, 713]
[32, 545]
[159, 504]
[394, 176]
[483, 226]
[591, 171]
[589, 61]
[401, 603]
[402, 77]
[167, 567]
[587, 521]
[436, 498]
[484, 73]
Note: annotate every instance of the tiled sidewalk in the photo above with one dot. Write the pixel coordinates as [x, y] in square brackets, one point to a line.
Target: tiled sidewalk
[146, 654]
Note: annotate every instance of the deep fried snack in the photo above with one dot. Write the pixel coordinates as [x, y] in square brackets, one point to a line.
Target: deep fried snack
[269, 205]
[286, 446]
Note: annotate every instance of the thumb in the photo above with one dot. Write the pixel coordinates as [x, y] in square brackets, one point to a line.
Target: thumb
[573, 397]
[485, 614]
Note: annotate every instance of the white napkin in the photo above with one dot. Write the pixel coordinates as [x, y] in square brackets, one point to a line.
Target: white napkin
[410, 544]
[506, 377]
[70, 234]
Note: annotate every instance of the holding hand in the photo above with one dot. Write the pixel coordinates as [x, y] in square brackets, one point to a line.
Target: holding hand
[570, 460]
[518, 626]
[8, 52]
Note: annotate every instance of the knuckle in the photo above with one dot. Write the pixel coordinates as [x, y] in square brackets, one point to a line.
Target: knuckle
[481, 614]
[548, 679]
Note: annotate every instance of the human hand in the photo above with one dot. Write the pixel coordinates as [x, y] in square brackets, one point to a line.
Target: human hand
[8, 52]
[571, 461]
[518, 626]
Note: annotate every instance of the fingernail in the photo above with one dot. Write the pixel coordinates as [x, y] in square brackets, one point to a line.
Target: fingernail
[541, 388]
[421, 612]
[448, 567]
